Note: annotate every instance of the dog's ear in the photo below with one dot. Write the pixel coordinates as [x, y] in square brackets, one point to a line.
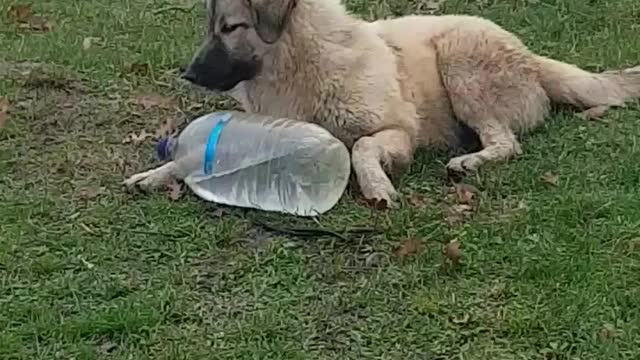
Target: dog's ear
[270, 17]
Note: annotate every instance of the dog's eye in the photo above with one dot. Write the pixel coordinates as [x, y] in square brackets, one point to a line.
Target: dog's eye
[229, 28]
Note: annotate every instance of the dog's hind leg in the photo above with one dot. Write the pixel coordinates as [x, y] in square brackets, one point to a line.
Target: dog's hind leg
[372, 155]
[153, 178]
[498, 141]
[492, 83]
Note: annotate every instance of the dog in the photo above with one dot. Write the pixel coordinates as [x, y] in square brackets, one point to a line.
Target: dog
[388, 87]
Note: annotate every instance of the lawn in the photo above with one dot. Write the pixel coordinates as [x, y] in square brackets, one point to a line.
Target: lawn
[550, 242]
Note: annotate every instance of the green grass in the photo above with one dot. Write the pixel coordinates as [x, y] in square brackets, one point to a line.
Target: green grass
[549, 272]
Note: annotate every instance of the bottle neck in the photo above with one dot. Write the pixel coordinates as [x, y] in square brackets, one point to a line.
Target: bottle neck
[165, 148]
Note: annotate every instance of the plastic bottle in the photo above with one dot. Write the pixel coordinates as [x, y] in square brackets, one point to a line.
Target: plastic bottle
[254, 161]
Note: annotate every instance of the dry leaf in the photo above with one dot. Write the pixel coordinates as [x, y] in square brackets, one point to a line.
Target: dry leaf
[4, 108]
[453, 218]
[174, 189]
[137, 139]
[409, 247]
[417, 200]
[19, 13]
[457, 213]
[90, 193]
[220, 212]
[154, 101]
[23, 15]
[551, 178]
[141, 69]
[88, 42]
[461, 208]
[632, 246]
[607, 332]
[36, 23]
[167, 128]
[452, 251]
[464, 193]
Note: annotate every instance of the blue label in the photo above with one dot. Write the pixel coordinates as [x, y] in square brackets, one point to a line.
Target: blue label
[212, 141]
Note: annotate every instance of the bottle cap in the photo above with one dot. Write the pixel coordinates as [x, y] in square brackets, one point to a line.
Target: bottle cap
[164, 148]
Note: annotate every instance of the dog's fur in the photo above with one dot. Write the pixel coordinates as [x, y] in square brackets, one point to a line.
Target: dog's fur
[387, 87]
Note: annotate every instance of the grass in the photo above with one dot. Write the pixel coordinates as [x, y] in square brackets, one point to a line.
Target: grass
[89, 272]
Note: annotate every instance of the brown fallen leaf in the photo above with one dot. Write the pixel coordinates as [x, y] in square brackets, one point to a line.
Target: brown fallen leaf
[4, 109]
[137, 139]
[607, 332]
[167, 128]
[154, 101]
[632, 246]
[550, 178]
[417, 200]
[141, 69]
[457, 213]
[453, 252]
[464, 193]
[174, 189]
[462, 208]
[36, 23]
[408, 248]
[19, 12]
[220, 212]
[91, 192]
[22, 14]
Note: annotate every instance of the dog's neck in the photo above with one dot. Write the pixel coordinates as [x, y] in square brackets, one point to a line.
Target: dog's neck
[310, 41]
[296, 67]
[318, 18]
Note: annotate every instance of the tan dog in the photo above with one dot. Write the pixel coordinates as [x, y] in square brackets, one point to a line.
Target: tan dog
[388, 87]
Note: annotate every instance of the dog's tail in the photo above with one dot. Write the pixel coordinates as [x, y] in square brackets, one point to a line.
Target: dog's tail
[568, 84]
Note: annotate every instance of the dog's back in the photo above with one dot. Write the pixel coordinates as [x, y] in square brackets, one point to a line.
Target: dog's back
[419, 72]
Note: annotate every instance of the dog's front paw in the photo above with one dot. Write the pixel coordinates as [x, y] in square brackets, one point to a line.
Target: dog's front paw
[594, 113]
[465, 164]
[151, 179]
[133, 181]
[380, 196]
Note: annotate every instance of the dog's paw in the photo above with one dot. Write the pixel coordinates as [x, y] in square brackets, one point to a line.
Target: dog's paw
[151, 179]
[468, 163]
[633, 70]
[146, 181]
[381, 196]
[594, 113]
[132, 182]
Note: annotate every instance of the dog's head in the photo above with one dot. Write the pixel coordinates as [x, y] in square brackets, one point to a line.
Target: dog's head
[239, 34]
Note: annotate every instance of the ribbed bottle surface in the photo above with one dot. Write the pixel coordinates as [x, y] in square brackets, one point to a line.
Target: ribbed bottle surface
[260, 162]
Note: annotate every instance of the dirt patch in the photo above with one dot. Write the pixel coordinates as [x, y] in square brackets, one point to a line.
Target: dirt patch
[67, 133]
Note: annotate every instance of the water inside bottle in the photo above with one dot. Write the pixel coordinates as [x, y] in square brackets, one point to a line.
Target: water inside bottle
[270, 164]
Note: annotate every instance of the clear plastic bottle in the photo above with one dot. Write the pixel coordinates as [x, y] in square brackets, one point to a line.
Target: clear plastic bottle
[254, 161]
